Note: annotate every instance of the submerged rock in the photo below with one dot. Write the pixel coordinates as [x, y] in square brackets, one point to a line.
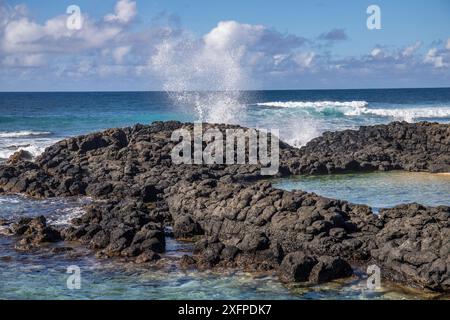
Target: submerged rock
[33, 232]
[148, 256]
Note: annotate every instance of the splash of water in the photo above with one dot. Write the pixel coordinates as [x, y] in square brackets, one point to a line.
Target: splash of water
[202, 77]
[299, 132]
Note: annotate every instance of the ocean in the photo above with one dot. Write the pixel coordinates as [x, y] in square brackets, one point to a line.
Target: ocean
[33, 121]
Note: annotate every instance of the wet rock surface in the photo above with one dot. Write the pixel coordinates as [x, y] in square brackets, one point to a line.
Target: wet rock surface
[243, 222]
[33, 232]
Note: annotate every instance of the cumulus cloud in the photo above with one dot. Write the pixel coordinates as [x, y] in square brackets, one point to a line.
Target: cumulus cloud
[410, 50]
[258, 38]
[304, 59]
[23, 35]
[124, 12]
[448, 44]
[434, 58]
[226, 57]
[377, 52]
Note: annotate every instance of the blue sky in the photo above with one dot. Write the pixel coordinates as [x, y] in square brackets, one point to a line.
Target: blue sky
[150, 45]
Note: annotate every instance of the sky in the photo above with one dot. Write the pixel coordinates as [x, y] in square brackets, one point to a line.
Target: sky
[126, 45]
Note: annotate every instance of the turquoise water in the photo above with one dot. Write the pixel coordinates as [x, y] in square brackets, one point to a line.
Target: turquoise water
[378, 189]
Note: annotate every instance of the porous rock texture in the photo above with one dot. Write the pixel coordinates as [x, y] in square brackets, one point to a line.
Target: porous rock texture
[241, 221]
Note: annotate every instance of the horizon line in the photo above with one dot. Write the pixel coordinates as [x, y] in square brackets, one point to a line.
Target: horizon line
[250, 90]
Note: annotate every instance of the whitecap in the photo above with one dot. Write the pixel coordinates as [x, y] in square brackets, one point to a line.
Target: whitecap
[360, 108]
[66, 215]
[34, 142]
[22, 134]
[410, 114]
[313, 104]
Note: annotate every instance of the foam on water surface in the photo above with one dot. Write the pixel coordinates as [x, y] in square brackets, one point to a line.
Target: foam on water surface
[34, 142]
[361, 108]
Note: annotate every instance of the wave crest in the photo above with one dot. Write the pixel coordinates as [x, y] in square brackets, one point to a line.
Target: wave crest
[314, 104]
[360, 108]
[34, 142]
[409, 115]
[23, 134]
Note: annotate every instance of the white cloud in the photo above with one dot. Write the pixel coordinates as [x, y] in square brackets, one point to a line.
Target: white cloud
[434, 58]
[231, 34]
[120, 53]
[304, 60]
[224, 58]
[25, 35]
[377, 52]
[231, 56]
[124, 12]
[410, 50]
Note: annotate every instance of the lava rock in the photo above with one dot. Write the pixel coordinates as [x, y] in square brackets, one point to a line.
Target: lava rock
[296, 267]
[328, 269]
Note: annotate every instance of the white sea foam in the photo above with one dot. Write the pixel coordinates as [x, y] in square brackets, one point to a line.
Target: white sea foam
[22, 134]
[66, 215]
[5, 231]
[298, 133]
[359, 108]
[410, 114]
[34, 142]
[314, 104]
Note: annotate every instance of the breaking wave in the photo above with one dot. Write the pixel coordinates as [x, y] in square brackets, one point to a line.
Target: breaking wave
[23, 134]
[410, 114]
[314, 104]
[361, 108]
[34, 142]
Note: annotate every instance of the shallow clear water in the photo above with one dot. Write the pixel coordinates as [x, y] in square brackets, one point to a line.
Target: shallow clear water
[56, 211]
[378, 189]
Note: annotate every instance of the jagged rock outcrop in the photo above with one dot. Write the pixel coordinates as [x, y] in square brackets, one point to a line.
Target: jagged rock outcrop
[34, 231]
[399, 145]
[244, 223]
[414, 245]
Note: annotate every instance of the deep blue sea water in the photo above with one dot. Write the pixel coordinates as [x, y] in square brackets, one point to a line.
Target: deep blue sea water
[33, 121]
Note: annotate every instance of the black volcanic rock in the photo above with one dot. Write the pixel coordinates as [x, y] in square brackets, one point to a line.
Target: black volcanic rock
[296, 267]
[328, 269]
[244, 222]
[414, 245]
[34, 231]
[398, 145]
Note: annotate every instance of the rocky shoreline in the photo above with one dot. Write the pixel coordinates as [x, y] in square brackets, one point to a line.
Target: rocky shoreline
[243, 222]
